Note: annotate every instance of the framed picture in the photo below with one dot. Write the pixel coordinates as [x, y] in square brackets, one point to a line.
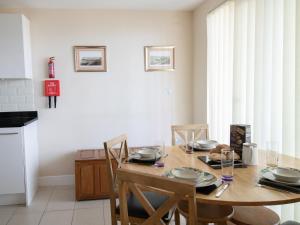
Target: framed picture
[159, 58]
[90, 58]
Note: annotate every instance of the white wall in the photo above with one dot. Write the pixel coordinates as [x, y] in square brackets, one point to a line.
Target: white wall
[98, 106]
[200, 59]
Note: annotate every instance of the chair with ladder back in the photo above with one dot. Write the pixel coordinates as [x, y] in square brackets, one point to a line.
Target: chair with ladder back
[116, 151]
[133, 183]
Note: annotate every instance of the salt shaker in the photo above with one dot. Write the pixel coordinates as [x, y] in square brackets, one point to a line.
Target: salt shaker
[250, 154]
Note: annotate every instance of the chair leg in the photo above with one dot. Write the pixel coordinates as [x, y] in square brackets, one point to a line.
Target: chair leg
[177, 217]
[113, 215]
[114, 221]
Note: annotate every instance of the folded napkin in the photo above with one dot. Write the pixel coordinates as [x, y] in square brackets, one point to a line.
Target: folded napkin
[273, 184]
[208, 189]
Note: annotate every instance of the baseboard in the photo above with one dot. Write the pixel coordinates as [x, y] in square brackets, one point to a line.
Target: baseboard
[57, 180]
[12, 199]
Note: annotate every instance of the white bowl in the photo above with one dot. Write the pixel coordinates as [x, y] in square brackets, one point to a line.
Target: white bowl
[207, 143]
[147, 152]
[286, 174]
[186, 173]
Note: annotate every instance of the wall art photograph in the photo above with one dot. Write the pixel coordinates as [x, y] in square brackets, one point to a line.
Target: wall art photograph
[159, 58]
[90, 58]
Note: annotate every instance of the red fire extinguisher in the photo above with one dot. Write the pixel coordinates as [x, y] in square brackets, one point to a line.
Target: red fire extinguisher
[52, 87]
[51, 67]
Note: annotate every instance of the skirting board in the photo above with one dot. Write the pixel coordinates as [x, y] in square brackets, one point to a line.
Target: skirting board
[57, 180]
[12, 199]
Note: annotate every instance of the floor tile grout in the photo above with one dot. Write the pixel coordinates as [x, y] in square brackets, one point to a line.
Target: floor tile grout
[73, 213]
[11, 216]
[44, 211]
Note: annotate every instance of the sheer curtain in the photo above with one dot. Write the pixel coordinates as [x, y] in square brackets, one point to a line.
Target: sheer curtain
[220, 25]
[253, 68]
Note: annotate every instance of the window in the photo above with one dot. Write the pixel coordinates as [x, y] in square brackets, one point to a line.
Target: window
[252, 73]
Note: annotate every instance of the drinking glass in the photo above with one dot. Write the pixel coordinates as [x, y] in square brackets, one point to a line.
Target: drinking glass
[272, 154]
[227, 164]
[160, 145]
[190, 141]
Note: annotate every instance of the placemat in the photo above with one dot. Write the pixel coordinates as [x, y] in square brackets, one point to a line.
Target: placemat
[294, 189]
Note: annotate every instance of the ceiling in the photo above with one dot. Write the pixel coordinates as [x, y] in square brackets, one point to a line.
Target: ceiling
[103, 4]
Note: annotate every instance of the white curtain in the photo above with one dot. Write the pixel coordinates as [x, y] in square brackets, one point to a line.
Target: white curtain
[220, 25]
[253, 68]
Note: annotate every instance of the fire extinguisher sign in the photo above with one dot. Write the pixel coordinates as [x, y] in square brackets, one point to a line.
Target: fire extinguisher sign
[52, 88]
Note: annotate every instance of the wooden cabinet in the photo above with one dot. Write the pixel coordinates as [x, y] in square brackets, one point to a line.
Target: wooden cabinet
[91, 175]
[15, 54]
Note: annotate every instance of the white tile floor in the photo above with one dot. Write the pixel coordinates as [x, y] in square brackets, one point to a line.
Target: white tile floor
[57, 206]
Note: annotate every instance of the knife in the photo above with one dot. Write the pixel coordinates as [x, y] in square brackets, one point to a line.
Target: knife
[219, 193]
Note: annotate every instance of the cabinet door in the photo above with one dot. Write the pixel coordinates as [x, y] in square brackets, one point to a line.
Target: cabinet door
[12, 175]
[86, 181]
[98, 169]
[104, 177]
[92, 180]
[15, 54]
[104, 185]
[101, 182]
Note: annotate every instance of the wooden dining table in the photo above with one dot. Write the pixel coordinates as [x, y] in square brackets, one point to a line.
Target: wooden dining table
[243, 190]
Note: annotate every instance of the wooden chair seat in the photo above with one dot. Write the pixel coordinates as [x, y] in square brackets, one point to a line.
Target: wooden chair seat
[254, 215]
[208, 213]
[135, 209]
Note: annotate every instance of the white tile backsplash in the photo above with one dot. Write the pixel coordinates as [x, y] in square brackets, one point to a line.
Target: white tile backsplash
[16, 95]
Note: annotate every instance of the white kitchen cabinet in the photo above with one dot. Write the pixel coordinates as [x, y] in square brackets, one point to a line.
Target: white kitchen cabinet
[15, 54]
[18, 164]
[12, 173]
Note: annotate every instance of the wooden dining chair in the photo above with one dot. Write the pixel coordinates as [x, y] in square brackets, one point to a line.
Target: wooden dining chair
[183, 131]
[116, 152]
[132, 183]
[206, 213]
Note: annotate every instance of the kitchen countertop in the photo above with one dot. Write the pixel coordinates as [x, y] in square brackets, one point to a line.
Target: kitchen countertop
[17, 119]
